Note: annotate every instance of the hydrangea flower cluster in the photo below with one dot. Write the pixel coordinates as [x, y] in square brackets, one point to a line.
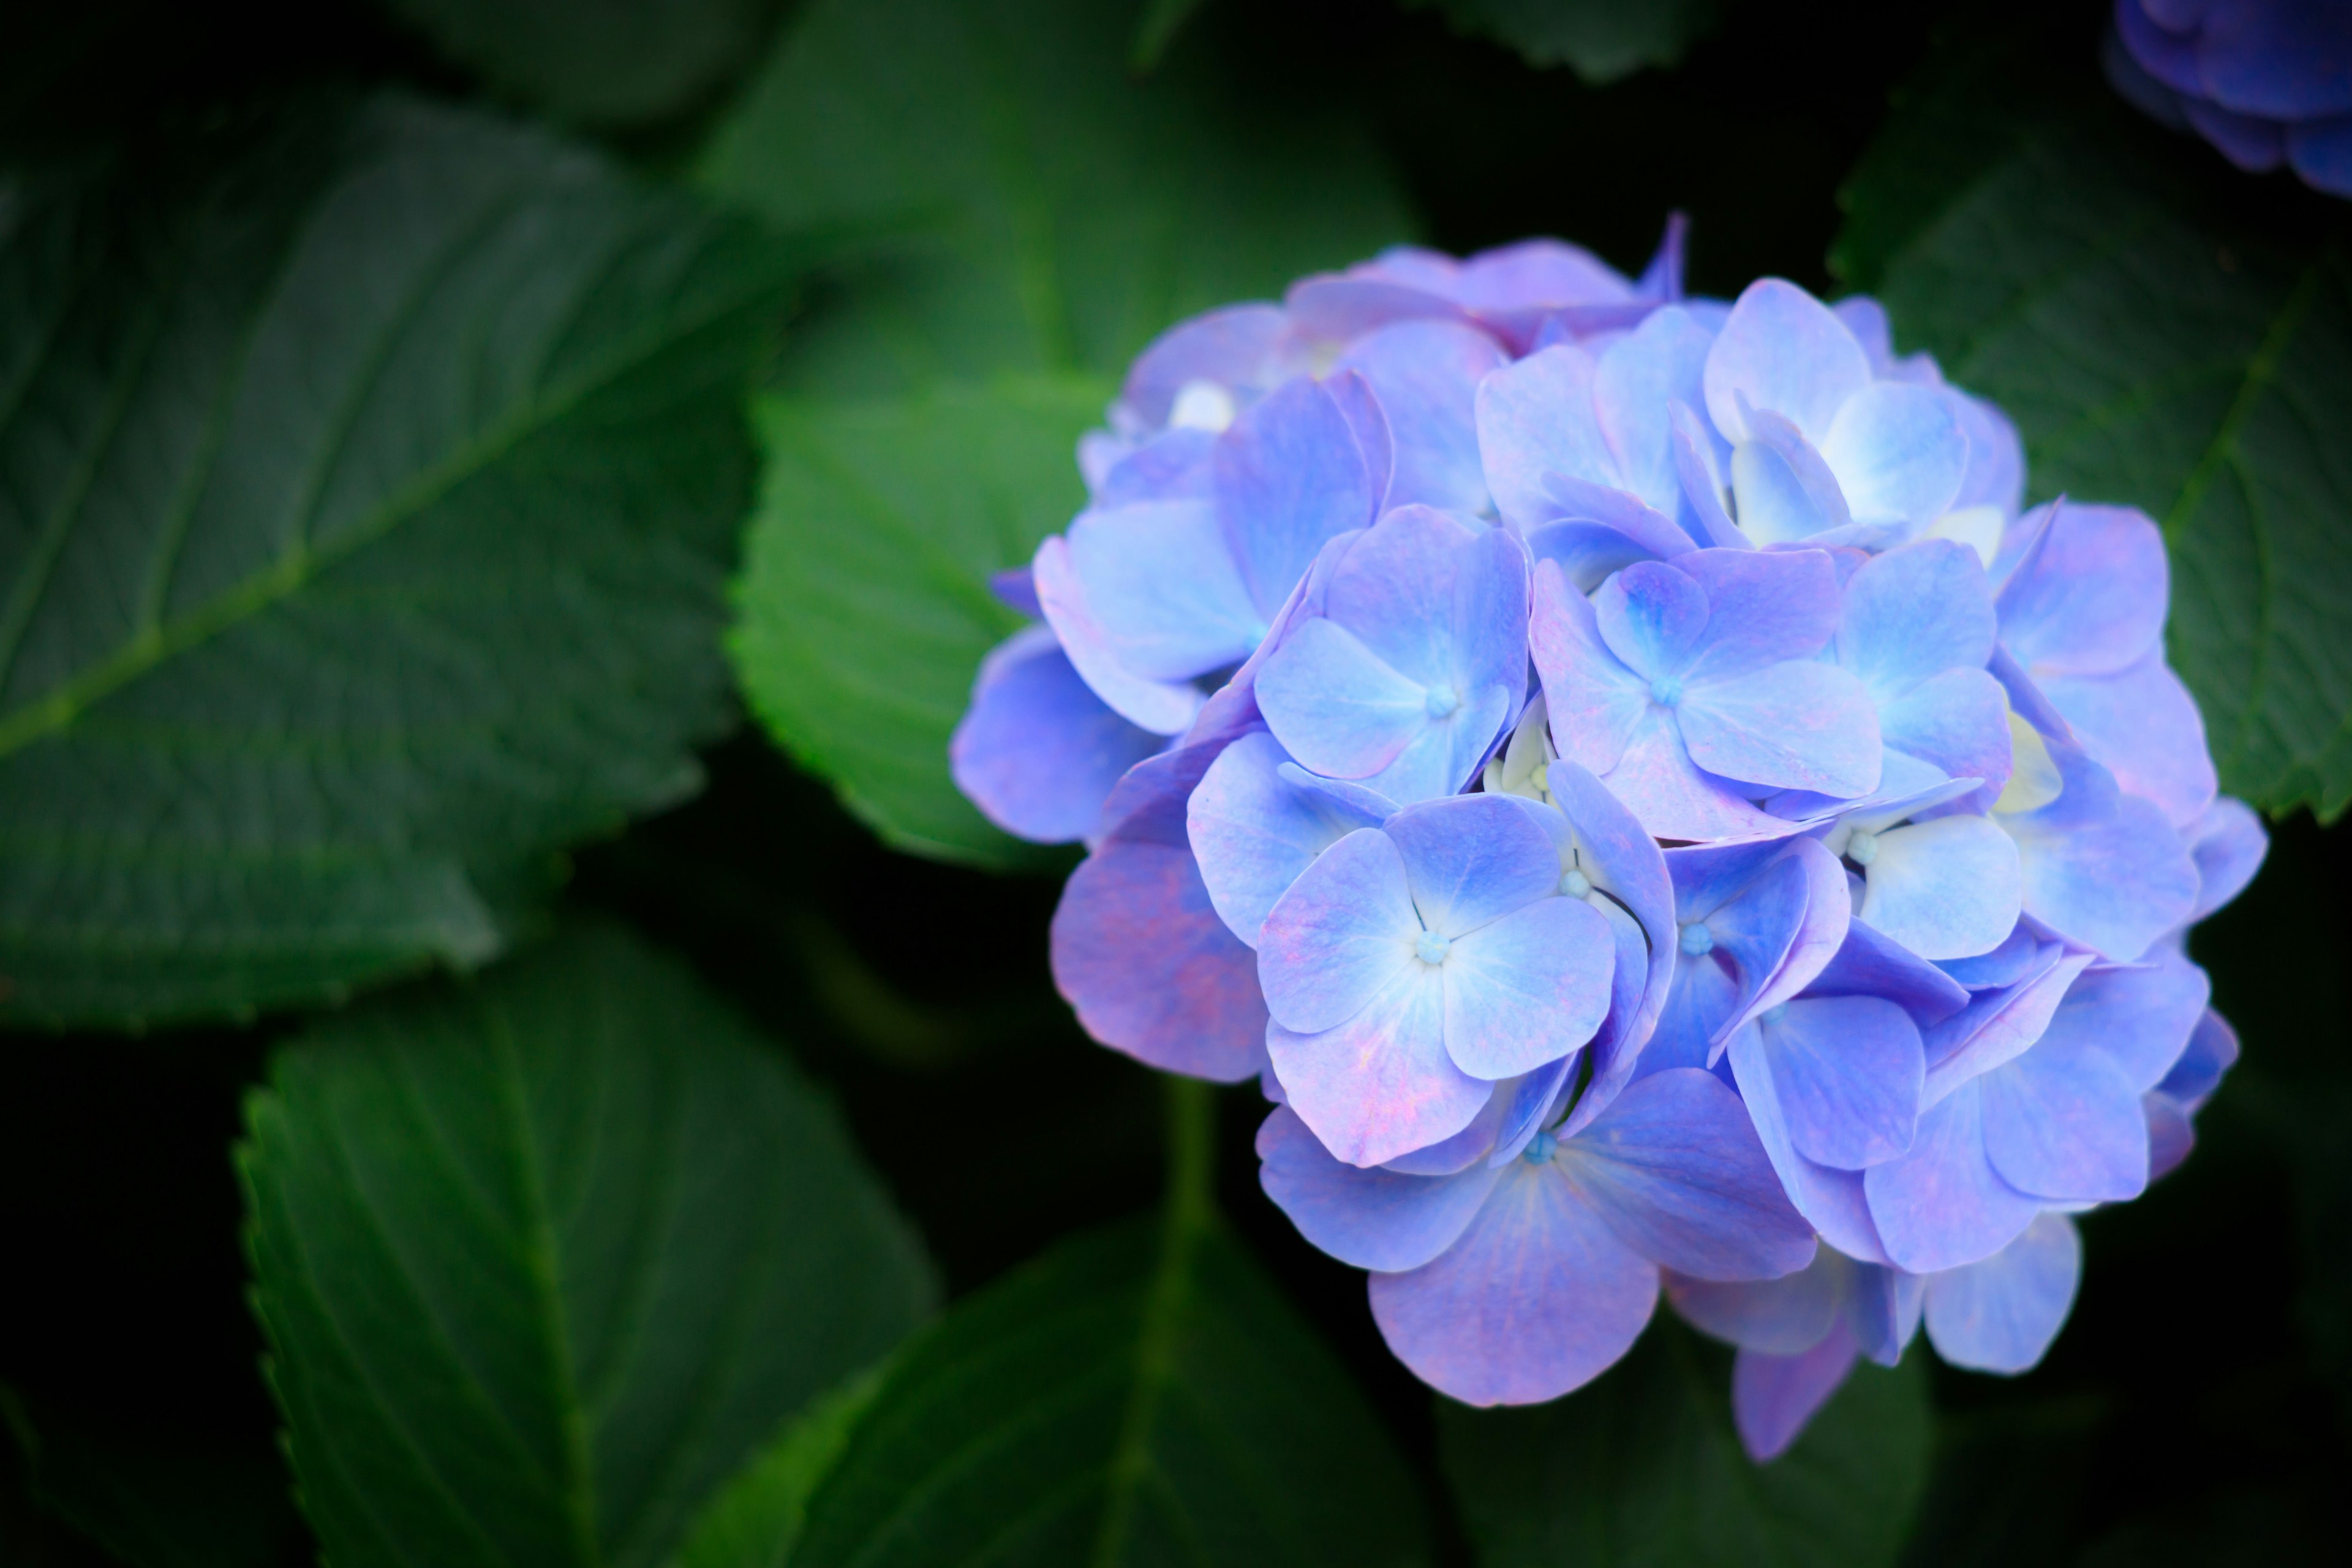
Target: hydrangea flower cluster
[2265, 81]
[1652, 813]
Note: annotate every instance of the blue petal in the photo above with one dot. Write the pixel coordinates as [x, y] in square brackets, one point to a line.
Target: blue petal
[1882, 1308]
[2143, 726]
[1538, 1297]
[1868, 964]
[1675, 1167]
[1943, 1205]
[1335, 705]
[1617, 1045]
[1651, 617]
[1341, 935]
[2102, 868]
[1290, 475]
[1671, 796]
[1037, 751]
[1536, 419]
[1163, 707]
[1595, 702]
[1764, 607]
[1783, 487]
[1946, 888]
[1379, 1085]
[1253, 832]
[1849, 1070]
[1699, 465]
[1639, 379]
[1914, 613]
[1370, 1219]
[2002, 1314]
[2063, 1124]
[1787, 1316]
[1472, 859]
[1798, 725]
[1773, 1397]
[1784, 351]
[1527, 988]
[1232, 347]
[1782, 926]
[1956, 722]
[1899, 453]
[2228, 843]
[1426, 375]
[1997, 1026]
[2142, 1016]
[2087, 595]
[1396, 589]
[1164, 589]
[1834, 1201]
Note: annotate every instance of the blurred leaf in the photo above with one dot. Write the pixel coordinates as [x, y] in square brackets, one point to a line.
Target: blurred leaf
[1642, 1467]
[155, 1505]
[1163, 20]
[863, 605]
[1602, 41]
[2158, 344]
[612, 62]
[1133, 1396]
[2007, 1486]
[1032, 215]
[545, 1259]
[368, 493]
[756, 1517]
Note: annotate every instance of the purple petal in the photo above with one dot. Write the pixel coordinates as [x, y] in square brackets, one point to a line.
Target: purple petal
[1527, 988]
[1898, 452]
[1472, 859]
[1785, 489]
[1535, 418]
[1675, 1167]
[1170, 466]
[2142, 1016]
[1426, 375]
[1882, 1308]
[1764, 607]
[2228, 844]
[1798, 725]
[1370, 1219]
[1868, 964]
[1341, 935]
[1773, 1397]
[2002, 1314]
[1699, 466]
[2102, 869]
[1595, 702]
[1997, 1026]
[1672, 796]
[1956, 722]
[1016, 588]
[1848, 1070]
[1253, 832]
[1335, 705]
[1617, 1046]
[2321, 152]
[1782, 926]
[1290, 475]
[1914, 613]
[1943, 1205]
[1490, 1322]
[1396, 589]
[1784, 351]
[1163, 707]
[1232, 347]
[1639, 379]
[1140, 954]
[1778, 1317]
[1946, 888]
[1369, 424]
[1379, 1085]
[2063, 1122]
[1651, 617]
[1163, 586]
[1834, 1201]
[2143, 726]
[2088, 595]
[1037, 751]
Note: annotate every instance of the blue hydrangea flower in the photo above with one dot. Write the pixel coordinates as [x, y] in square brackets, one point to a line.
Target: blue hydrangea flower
[2265, 81]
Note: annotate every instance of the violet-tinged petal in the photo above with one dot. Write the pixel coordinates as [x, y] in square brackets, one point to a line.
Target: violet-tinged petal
[1635, 384]
[1253, 832]
[1163, 707]
[1997, 1026]
[1784, 490]
[2004, 965]
[1369, 421]
[1943, 1205]
[1956, 722]
[1883, 1308]
[1290, 475]
[1173, 466]
[1642, 528]
[1380, 1084]
[1778, 1317]
[1700, 1003]
[1784, 350]
[2228, 843]
[1617, 1046]
[2212, 1050]
[1834, 1201]
[1537, 272]
[2102, 869]
[2088, 595]
[1673, 797]
[1163, 586]
[1764, 607]
[1232, 347]
[2002, 1314]
[1037, 751]
[1395, 588]
[1535, 418]
[2142, 1016]
[1651, 617]
[2321, 152]
[1868, 963]
[1463, 1149]
[2063, 1122]
[1773, 1397]
[1335, 705]
[2163, 53]
[2254, 144]
[1489, 619]
[1783, 927]
[1899, 453]
[1015, 587]
[1368, 1219]
[1848, 1070]
[1946, 888]
[1794, 725]
[2143, 726]
[2280, 59]
[1470, 859]
[1342, 934]
[1426, 375]
[1527, 988]
[1914, 613]
[1139, 953]
[1595, 702]
[1675, 1167]
[1700, 468]
[1538, 1297]
[1447, 753]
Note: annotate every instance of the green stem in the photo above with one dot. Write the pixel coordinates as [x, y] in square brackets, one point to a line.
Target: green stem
[1190, 1201]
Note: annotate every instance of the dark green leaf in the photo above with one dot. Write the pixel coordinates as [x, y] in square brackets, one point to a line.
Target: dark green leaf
[1163, 20]
[1643, 1467]
[863, 604]
[2158, 344]
[2006, 1489]
[545, 1259]
[753, 1522]
[1125, 1399]
[1032, 215]
[1602, 41]
[603, 61]
[370, 490]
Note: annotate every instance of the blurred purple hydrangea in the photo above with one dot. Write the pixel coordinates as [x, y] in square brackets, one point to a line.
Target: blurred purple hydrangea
[2265, 81]
[1650, 808]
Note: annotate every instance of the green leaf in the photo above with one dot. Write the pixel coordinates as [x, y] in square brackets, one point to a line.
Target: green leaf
[1029, 215]
[371, 480]
[1642, 1467]
[545, 1258]
[2163, 342]
[753, 1522]
[1163, 20]
[1136, 1395]
[600, 61]
[1602, 41]
[864, 606]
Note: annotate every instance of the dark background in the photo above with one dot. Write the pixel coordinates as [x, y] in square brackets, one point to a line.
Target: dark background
[2193, 1411]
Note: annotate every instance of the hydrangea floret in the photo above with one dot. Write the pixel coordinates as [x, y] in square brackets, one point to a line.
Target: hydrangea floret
[2267, 82]
[1651, 810]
